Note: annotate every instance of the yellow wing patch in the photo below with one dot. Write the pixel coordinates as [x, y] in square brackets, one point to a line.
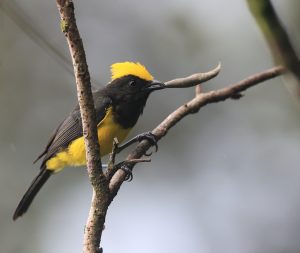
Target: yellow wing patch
[121, 69]
[74, 155]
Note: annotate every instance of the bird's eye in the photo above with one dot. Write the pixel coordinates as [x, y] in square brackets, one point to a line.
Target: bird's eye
[132, 83]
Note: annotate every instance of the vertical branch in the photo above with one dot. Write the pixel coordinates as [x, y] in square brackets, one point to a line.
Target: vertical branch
[95, 223]
[276, 36]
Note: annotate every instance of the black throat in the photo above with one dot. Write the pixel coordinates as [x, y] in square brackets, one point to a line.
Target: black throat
[126, 113]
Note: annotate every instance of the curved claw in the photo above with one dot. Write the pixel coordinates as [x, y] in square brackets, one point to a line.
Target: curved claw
[156, 146]
[128, 172]
[151, 138]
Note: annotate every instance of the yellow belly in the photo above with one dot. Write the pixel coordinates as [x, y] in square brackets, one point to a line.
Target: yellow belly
[74, 155]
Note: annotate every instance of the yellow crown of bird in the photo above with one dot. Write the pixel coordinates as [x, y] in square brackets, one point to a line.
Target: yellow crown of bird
[121, 69]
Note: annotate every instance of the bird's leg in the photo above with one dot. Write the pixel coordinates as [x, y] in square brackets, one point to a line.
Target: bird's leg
[144, 136]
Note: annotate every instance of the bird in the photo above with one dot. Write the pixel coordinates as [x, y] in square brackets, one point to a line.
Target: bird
[118, 106]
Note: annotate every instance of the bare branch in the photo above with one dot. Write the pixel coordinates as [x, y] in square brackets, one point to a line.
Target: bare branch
[95, 223]
[111, 168]
[193, 106]
[198, 90]
[194, 79]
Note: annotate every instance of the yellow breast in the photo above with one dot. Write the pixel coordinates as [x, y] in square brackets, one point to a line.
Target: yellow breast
[74, 155]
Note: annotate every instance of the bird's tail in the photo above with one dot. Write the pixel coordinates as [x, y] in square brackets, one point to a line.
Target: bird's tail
[32, 191]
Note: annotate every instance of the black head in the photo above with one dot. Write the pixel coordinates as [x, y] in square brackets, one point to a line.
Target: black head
[129, 95]
[131, 88]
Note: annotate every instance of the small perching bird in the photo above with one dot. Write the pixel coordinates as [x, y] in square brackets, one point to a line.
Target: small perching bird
[118, 106]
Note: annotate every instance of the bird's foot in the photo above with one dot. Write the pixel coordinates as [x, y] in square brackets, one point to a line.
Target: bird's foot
[128, 172]
[140, 137]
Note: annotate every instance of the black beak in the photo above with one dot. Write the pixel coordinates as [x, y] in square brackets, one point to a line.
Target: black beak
[155, 85]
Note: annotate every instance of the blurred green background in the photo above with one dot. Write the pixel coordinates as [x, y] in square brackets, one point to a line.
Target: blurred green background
[224, 180]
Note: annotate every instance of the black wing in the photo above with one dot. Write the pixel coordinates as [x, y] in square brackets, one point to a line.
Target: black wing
[71, 128]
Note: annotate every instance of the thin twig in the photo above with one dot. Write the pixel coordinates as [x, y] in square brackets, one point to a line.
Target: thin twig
[194, 79]
[111, 168]
[198, 90]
